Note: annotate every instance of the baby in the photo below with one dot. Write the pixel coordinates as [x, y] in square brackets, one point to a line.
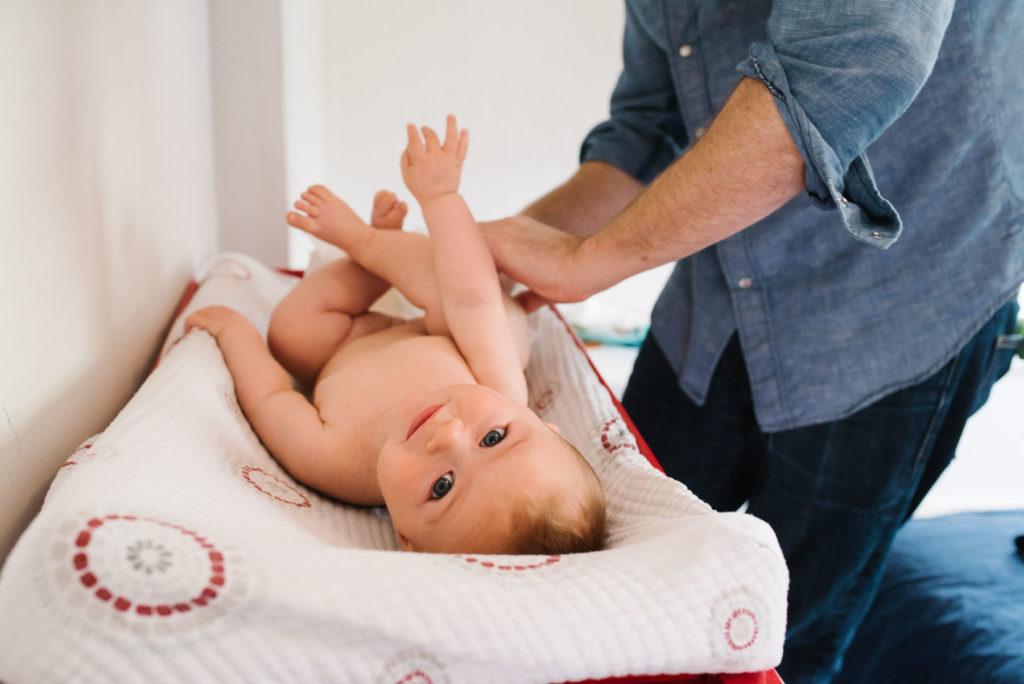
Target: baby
[427, 416]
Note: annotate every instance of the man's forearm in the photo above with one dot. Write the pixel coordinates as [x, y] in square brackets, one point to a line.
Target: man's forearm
[591, 198]
[742, 170]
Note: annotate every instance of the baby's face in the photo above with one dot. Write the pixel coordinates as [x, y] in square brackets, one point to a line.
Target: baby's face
[459, 461]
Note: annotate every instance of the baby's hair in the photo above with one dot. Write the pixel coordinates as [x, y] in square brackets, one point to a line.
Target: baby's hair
[555, 525]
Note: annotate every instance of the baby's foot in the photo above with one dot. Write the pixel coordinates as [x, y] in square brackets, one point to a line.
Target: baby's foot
[328, 218]
[388, 212]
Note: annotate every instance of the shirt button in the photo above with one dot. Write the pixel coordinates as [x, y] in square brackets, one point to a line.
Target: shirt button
[685, 51]
[745, 283]
[700, 131]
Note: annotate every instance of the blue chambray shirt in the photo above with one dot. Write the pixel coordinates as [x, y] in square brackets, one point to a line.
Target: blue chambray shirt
[878, 275]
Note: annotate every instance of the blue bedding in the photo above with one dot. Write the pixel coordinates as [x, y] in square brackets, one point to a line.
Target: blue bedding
[950, 607]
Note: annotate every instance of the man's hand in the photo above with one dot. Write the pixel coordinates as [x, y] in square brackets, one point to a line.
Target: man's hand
[431, 169]
[543, 258]
[745, 167]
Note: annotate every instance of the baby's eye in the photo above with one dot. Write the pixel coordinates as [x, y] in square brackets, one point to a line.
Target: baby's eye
[493, 437]
[442, 486]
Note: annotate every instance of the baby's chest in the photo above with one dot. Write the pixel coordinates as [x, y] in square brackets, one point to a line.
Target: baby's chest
[366, 384]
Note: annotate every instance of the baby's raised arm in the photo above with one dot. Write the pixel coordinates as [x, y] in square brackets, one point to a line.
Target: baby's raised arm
[467, 279]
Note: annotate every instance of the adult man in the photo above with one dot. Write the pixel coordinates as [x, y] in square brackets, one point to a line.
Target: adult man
[802, 359]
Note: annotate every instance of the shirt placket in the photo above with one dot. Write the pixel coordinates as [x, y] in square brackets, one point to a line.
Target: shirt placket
[686, 62]
[744, 289]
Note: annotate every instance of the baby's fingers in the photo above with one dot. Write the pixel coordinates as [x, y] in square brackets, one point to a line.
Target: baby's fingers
[456, 142]
[433, 142]
[463, 144]
[415, 146]
[451, 135]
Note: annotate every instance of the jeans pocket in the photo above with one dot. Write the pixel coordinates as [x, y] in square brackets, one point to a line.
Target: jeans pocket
[999, 363]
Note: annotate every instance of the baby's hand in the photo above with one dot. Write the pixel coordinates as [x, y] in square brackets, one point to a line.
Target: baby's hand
[212, 319]
[432, 169]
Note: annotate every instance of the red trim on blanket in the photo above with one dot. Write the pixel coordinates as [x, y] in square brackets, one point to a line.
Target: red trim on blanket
[641, 444]
[766, 677]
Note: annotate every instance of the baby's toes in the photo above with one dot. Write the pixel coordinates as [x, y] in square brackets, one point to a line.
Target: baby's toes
[302, 222]
[310, 198]
[383, 201]
[394, 217]
[397, 213]
[320, 192]
[386, 212]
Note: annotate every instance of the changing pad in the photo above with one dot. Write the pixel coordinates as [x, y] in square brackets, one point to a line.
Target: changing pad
[173, 548]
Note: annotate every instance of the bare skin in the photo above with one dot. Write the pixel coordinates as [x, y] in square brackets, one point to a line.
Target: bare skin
[427, 416]
[602, 226]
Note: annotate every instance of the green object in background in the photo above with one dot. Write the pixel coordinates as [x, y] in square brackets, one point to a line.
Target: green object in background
[1020, 333]
[610, 335]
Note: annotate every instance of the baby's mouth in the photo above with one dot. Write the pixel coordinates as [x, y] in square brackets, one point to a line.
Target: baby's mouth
[422, 418]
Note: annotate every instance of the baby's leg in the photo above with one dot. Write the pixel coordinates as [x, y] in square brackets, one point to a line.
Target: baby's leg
[329, 306]
[403, 259]
[323, 310]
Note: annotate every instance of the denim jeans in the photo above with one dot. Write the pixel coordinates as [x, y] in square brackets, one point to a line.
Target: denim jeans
[835, 493]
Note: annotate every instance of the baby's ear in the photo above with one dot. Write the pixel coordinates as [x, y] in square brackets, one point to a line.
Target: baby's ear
[404, 543]
[553, 428]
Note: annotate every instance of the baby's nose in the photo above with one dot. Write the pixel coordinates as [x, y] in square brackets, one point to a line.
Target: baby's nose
[445, 435]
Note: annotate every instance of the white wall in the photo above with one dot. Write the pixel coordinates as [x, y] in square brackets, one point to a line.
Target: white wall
[108, 209]
[246, 66]
[528, 79]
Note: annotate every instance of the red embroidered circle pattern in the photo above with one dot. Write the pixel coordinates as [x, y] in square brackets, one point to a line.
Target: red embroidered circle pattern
[741, 629]
[546, 397]
[147, 553]
[413, 666]
[87, 452]
[274, 487]
[615, 435]
[550, 560]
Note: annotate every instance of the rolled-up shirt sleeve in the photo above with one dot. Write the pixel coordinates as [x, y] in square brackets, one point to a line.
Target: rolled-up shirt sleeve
[644, 133]
[841, 73]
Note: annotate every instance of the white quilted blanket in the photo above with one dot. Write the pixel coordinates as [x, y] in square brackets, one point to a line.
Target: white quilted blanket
[173, 548]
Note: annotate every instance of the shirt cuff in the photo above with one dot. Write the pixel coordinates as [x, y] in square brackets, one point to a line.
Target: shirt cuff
[627, 149]
[850, 188]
